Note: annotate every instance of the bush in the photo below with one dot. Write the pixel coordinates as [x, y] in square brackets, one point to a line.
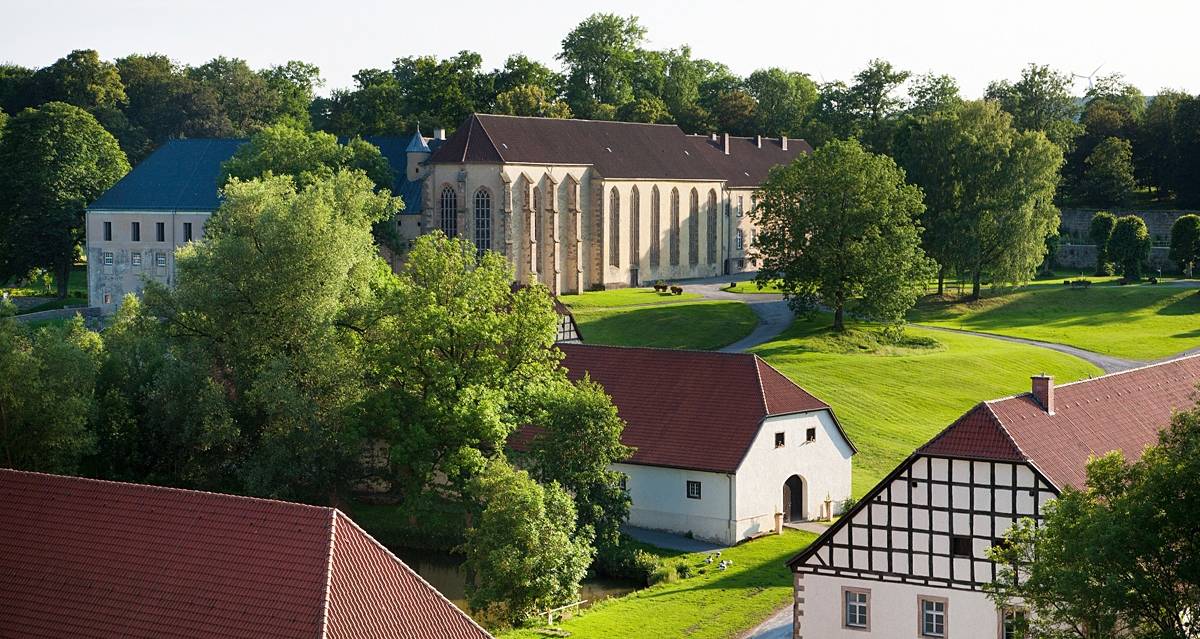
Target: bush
[848, 503]
[683, 570]
[626, 561]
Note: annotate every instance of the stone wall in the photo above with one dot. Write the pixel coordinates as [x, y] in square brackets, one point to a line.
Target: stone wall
[1083, 257]
[1075, 223]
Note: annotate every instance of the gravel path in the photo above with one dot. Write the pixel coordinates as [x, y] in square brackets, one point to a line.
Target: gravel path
[774, 316]
[1107, 363]
[777, 626]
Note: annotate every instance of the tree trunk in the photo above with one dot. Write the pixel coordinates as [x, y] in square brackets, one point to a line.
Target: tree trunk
[64, 279]
[941, 280]
[975, 277]
[839, 323]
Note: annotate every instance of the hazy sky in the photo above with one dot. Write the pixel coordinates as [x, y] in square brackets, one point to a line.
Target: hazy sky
[1152, 42]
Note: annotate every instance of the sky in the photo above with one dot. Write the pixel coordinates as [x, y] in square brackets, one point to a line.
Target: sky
[1151, 42]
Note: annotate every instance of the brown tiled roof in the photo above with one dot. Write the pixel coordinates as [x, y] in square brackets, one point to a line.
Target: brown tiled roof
[1122, 411]
[89, 558]
[698, 410]
[615, 149]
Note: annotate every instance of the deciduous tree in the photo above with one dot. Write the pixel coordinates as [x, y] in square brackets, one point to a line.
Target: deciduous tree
[531, 100]
[839, 229]
[1100, 232]
[1129, 246]
[1108, 177]
[1041, 101]
[599, 55]
[1185, 242]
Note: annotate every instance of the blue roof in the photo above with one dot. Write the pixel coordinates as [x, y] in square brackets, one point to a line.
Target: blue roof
[416, 144]
[182, 175]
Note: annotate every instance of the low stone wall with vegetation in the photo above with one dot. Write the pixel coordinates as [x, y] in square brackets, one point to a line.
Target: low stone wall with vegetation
[1075, 222]
[1083, 257]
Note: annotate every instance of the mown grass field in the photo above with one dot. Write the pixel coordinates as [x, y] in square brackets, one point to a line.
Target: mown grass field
[624, 297]
[694, 325]
[1136, 321]
[713, 605]
[751, 287]
[891, 399]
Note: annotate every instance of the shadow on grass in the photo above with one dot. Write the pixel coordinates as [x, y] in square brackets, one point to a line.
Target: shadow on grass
[700, 325]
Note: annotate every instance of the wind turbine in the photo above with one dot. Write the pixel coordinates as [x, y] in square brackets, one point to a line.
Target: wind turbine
[1088, 77]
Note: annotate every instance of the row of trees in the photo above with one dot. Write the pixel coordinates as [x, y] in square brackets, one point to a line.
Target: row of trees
[288, 347]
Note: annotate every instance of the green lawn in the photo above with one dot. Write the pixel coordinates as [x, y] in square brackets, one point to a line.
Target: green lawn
[1137, 321]
[76, 285]
[624, 297]
[891, 400]
[752, 287]
[694, 325]
[713, 605]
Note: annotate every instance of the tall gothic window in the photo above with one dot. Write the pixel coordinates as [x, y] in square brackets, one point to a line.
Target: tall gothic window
[635, 227]
[674, 227]
[712, 227]
[449, 211]
[483, 220]
[539, 232]
[694, 229]
[614, 228]
[655, 227]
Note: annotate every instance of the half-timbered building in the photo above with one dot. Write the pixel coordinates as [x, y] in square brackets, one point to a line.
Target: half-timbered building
[910, 559]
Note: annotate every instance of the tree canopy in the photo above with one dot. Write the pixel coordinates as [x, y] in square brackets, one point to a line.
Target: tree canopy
[1129, 246]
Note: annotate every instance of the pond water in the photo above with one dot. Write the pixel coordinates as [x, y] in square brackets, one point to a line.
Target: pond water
[445, 572]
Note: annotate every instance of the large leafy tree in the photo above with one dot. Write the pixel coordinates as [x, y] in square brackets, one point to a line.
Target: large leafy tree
[930, 93]
[270, 301]
[525, 553]
[441, 92]
[1041, 101]
[1100, 232]
[531, 100]
[164, 103]
[81, 79]
[1154, 146]
[56, 160]
[599, 55]
[47, 379]
[1129, 246]
[839, 229]
[1186, 157]
[284, 149]
[243, 95]
[1185, 242]
[784, 101]
[1108, 178]
[293, 84]
[1118, 557]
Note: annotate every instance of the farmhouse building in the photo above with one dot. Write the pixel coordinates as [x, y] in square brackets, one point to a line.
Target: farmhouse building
[573, 204]
[723, 441]
[910, 558]
[89, 558]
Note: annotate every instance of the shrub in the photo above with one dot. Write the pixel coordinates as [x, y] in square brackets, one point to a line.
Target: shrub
[677, 290]
[663, 574]
[683, 570]
[626, 561]
[848, 503]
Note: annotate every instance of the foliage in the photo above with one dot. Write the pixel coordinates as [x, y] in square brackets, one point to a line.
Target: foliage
[705, 325]
[1186, 151]
[1119, 556]
[931, 93]
[57, 160]
[1108, 179]
[531, 100]
[47, 380]
[1100, 232]
[1129, 246]
[283, 149]
[525, 554]
[599, 55]
[1040, 101]
[783, 101]
[1185, 242]
[626, 559]
[837, 228]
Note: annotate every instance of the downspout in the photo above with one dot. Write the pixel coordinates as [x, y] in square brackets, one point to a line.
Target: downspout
[732, 509]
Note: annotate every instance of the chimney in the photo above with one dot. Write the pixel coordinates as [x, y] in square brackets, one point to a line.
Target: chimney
[725, 142]
[758, 141]
[1043, 391]
[439, 134]
[783, 142]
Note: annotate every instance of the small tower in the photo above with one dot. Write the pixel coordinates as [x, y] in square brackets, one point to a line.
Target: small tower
[417, 152]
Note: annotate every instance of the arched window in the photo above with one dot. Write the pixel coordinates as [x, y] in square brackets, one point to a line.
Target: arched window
[483, 220]
[655, 227]
[674, 227]
[712, 227]
[449, 211]
[539, 231]
[614, 228]
[635, 227]
[694, 229]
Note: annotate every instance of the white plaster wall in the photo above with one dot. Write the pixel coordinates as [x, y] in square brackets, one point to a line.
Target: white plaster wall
[660, 501]
[893, 610]
[123, 276]
[824, 465]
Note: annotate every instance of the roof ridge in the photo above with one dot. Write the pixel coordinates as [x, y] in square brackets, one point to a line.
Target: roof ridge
[408, 569]
[538, 117]
[1004, 429]
[328, 574]
[663, 348]
[762, 390]
[172, 489]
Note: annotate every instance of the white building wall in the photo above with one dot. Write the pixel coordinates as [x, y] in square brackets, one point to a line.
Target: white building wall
[893, 610]
[660, 501]
[823, 465]
[134, 262]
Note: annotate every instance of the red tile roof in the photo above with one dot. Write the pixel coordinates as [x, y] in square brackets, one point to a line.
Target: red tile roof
[90, 558]
[1122, 411]
[685, 409]
[615, 149]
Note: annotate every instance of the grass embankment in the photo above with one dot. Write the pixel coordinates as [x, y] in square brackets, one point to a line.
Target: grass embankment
[692, 325]
[891, 398]
[1136, 321]
[713, 605]
[624, 297]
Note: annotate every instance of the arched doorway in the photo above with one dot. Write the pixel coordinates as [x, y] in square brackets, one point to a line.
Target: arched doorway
[793, 499]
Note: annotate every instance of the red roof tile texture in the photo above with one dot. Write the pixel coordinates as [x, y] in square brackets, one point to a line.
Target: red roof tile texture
[89, 558]
[1122, 411]
[698, 410]
[614, 149]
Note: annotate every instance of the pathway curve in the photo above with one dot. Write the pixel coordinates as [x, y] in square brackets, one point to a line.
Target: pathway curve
[777, 626]
[774, 316]
[1107, 363]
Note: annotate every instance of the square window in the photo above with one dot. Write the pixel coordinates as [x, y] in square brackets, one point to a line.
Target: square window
[856, 609]
[780, 440]
[160, 259]
[135, 231]
[187, 231]
[135, 259]
[960, 546]
[160, 231]
[1014, 624]
[108, 258]
[693, 490]
[108, 298]
[933, 616]
[108, 231]
[810, 435]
